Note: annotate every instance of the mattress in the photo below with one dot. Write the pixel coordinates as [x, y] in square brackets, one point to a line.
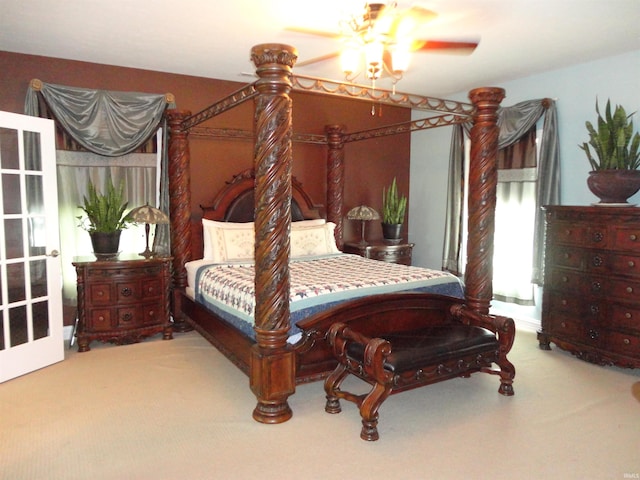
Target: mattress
[316, 283]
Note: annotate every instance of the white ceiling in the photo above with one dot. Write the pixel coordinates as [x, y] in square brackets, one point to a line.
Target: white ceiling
[212, 38]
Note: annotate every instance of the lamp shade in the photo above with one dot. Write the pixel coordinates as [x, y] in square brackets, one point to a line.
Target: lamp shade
[362, 212]
[148, 214]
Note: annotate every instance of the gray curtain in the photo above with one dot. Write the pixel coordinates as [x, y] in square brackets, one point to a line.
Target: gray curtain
[110, 124]
[514, 122]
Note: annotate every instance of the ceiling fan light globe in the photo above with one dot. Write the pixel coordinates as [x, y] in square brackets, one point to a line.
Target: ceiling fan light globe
[400, 59]
[349, 60]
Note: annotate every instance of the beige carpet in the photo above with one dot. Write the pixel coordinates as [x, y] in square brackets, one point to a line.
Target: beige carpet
[179, 410]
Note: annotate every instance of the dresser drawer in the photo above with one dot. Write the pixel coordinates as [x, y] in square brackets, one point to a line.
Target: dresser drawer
[569, 257]
[624, 289]
[559, 302]
[623, 343]
[566, 233]
[624, 316]
[626, 265]
[627, 238]
[564, 325]
[565, 280]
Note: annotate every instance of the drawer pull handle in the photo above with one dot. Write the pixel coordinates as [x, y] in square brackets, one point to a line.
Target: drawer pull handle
[152, 313]
[101, 318]
[126, 317]
[632, 263]
[596, 286]
[566, 255]
[626, 341]
[564, 302]
[593, 334]
[594, 309]
[563, 324]
[629, 289]
[126, 292]
[597, 261]
[633, 237]
[565, 279]
[598, 237]
[100, 293]
[150, 290]
[627, 315]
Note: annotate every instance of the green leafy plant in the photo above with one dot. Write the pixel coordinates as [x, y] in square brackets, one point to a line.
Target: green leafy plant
[394, 205]
[104, 212]
[614, 144]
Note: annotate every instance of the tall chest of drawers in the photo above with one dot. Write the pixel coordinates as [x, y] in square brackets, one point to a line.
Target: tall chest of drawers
[122, 300]
[591, 295]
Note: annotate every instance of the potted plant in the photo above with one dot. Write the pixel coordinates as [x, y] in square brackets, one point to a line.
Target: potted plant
[394, 207]
[613, 152]
[105, 218]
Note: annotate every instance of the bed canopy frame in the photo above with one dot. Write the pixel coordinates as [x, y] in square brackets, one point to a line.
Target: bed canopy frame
[273, 362]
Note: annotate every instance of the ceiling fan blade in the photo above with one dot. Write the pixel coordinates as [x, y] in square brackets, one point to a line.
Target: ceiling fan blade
[322, 58]
[403, 24]
[310, 31]
[445, 46]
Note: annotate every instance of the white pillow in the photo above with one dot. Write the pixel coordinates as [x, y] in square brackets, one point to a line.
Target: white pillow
[216, 245]
[226, 241]
[313, 240]
[308, 223]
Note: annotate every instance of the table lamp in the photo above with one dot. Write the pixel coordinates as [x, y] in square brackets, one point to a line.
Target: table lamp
[148, 215]
[364, 214]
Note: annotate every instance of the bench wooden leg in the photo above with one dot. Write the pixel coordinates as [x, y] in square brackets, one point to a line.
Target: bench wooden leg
[369, 411]
[332, 386]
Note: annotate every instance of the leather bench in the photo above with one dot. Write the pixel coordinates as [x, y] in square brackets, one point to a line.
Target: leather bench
[400, 361]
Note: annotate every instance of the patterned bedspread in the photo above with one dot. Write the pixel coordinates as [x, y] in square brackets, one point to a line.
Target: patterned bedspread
[317, 283]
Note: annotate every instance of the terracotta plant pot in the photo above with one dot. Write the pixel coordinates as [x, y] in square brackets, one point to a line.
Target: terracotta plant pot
[614, 186]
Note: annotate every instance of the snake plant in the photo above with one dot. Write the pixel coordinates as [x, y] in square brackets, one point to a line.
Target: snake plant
[394, 205]
[104, 212]
[615, 146]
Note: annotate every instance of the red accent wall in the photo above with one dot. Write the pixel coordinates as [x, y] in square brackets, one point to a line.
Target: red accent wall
[370, 165]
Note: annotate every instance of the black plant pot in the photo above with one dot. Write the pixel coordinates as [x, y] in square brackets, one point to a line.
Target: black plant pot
[105, 245]
[392, 232]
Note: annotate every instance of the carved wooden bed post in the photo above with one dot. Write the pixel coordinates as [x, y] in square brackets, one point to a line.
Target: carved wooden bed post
[335, 179]
[483, 180]
[179, 209]
[272, 375]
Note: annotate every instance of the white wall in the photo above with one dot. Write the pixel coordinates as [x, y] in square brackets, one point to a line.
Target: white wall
[575, 88]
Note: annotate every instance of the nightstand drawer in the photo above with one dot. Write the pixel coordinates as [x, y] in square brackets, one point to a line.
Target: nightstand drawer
[384, 252]
[100, 293]
[100, 319]
[127, 292]
[151, 289]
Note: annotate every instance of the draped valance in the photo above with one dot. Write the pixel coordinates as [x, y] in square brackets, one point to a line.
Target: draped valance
[514, 122]
[104, 122]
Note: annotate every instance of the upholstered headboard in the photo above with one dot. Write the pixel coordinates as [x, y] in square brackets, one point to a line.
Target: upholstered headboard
[235, 203]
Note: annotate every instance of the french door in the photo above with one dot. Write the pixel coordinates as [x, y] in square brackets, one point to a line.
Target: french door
[30, 273]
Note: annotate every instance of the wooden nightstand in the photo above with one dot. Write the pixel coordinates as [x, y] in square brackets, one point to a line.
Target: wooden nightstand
[385, 252]
[122, 300]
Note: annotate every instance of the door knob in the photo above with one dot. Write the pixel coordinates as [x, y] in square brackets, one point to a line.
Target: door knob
[54, 253]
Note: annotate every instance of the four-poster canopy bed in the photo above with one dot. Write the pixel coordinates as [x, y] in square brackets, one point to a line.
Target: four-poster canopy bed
[274, 364]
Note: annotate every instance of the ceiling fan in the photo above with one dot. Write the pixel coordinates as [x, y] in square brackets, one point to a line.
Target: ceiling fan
[385, 36]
